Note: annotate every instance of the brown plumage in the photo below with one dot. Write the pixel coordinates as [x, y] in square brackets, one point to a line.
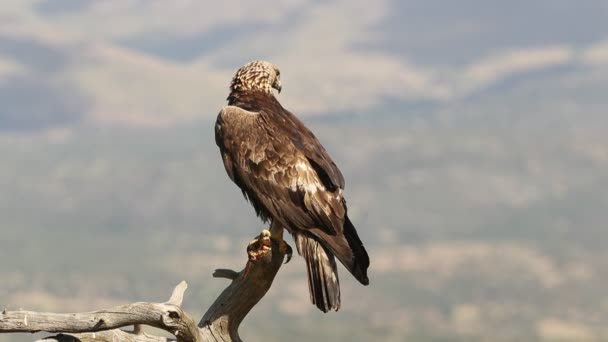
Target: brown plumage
[289, 178]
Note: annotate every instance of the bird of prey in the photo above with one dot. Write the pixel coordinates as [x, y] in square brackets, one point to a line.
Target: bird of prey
[290, 180]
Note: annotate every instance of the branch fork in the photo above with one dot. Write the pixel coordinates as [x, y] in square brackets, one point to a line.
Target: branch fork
[220, 322]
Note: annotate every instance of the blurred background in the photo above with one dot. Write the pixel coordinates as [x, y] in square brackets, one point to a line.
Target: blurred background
[472, 135]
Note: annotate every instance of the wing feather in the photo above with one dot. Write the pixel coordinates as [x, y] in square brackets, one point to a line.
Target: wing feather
[265, 163]
[288, 176]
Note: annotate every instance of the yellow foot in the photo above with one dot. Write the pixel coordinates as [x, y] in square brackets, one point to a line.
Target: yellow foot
[262, 244]
[259, 246]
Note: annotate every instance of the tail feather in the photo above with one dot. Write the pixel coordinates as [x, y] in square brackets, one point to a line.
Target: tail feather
[323, 282]
[349, 249]
[360, 261]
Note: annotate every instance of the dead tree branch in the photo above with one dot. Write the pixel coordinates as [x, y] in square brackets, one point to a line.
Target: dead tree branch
[220, 323]
[244, 292]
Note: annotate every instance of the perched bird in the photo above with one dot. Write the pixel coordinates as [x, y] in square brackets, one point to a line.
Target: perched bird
[290, 180]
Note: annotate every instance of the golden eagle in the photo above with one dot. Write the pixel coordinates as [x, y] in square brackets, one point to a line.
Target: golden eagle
[290, 179]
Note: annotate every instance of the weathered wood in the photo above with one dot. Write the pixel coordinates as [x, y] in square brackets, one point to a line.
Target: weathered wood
[220, 323]
[115, 335]
[168, 316]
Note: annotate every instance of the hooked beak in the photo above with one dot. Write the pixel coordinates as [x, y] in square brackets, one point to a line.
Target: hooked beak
[277, 86]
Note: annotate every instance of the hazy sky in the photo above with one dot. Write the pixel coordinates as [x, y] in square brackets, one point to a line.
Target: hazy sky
[154, 62]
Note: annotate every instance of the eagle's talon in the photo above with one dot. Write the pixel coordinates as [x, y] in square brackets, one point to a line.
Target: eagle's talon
[262, 244]
[286, 249]
[259, 246]
[288, 252]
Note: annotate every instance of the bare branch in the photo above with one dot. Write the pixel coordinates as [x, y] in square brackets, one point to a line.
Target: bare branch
[166, 316]
[225, 273]
[222, 320]
[115, 335]
[177, 297]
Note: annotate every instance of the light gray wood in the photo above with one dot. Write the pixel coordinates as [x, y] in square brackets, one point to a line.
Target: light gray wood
[220, 323]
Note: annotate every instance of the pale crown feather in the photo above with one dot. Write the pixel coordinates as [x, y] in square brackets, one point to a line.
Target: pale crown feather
[257, 75]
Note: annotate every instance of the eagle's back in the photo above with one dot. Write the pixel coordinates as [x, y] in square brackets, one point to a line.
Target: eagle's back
[288, 176]
[265, 151]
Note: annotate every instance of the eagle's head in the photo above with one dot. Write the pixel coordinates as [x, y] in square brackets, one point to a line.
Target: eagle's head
[257, 75]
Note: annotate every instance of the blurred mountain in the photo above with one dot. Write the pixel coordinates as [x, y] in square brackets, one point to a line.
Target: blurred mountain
[153, 63]
[471, 134]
